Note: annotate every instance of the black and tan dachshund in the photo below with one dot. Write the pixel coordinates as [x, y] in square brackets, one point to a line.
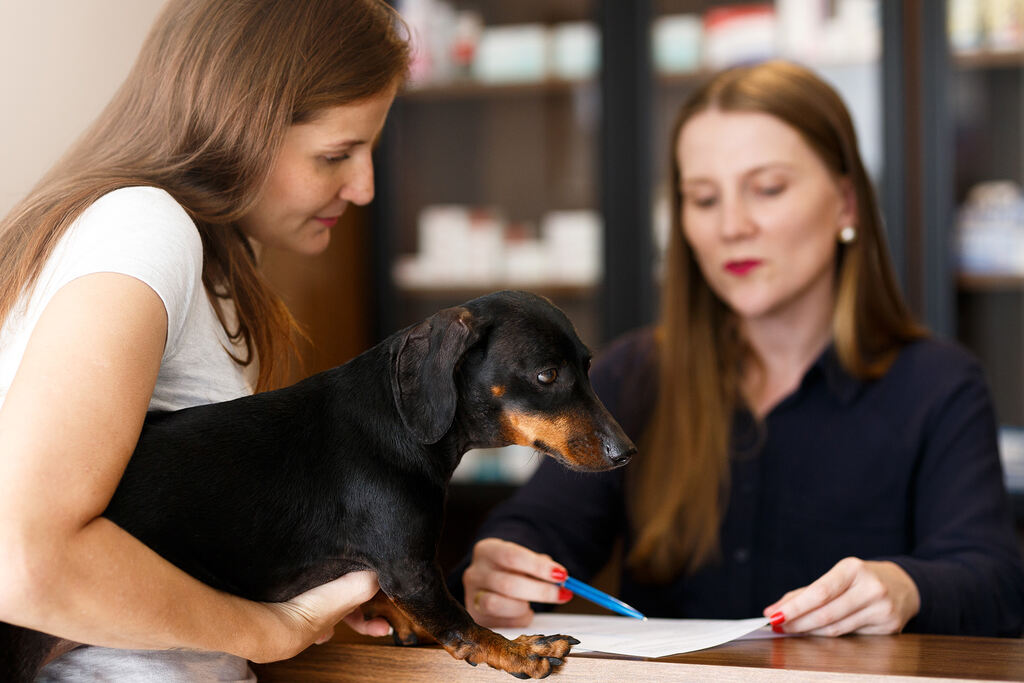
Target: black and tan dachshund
[269, 495]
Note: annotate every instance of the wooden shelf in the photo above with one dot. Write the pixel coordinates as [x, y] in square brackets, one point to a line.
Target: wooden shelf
[972, 282]
[989, 59]
[548, 289]
[683, 78]
[456, 90]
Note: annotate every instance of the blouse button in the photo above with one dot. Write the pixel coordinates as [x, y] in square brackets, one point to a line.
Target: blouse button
[741, 555]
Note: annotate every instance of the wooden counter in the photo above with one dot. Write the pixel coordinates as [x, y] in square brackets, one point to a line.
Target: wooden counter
[905, 657]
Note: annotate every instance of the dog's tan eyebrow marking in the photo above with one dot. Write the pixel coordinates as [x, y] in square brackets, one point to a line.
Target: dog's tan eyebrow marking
[498, 390]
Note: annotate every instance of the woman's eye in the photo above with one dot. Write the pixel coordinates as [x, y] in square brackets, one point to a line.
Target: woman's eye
[771, 190]
[701, 202]
[335, 160]
[547, 376]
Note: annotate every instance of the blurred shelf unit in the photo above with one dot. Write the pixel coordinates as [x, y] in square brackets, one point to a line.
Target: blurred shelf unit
[490, 160]
[975, 282]
[986, 44]
[989, 59]
[468, 90]
[986, 33]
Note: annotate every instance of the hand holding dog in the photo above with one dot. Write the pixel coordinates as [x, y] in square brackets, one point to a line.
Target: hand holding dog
[855, 596]
[504, 578]
[310, 617]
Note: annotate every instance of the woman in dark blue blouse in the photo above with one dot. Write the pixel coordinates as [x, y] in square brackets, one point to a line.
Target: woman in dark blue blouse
[807, 452]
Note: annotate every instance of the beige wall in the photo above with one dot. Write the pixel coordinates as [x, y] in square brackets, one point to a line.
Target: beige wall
[60, 62]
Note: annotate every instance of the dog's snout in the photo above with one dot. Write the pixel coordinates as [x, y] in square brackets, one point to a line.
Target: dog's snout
[619, 456]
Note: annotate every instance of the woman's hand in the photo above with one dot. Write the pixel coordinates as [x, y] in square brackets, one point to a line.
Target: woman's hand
[311, 616]
[504, 578]
[855, 596]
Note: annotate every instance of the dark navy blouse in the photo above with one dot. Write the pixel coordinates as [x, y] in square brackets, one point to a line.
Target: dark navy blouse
[903, 468]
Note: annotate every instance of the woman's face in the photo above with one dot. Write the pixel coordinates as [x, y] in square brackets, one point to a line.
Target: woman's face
[761, 212]
[324, 164]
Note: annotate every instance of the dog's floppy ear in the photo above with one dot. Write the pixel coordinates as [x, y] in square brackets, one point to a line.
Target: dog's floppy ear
[423, 371]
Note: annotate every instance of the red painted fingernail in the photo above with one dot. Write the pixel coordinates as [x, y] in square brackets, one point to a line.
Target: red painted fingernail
[777, 628]
[777, 618]
[559, 574]
[564, 594]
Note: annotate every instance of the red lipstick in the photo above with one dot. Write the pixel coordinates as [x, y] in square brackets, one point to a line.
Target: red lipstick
[741, 268]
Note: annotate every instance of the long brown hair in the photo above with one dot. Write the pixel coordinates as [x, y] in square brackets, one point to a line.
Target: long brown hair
[680, 487]
[202, 115]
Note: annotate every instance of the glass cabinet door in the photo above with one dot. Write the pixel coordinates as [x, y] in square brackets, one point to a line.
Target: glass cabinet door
[986, 39]
[491, 157]
[489, 171]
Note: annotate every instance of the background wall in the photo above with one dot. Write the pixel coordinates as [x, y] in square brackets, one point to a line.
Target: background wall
[62, 61]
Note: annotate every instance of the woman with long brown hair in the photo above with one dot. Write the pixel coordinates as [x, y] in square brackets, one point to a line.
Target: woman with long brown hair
[807, 451]
[129, 281]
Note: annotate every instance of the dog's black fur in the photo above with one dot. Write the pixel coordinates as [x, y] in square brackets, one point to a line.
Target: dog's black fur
[269, 495]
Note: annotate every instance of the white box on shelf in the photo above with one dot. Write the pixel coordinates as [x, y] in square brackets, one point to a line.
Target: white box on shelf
[575, 50]
[1011, 450]
[572, 241]
[514, 53]
[739, 33]
[485, 247]
[676, 42]
[443, 231]
[990, 229]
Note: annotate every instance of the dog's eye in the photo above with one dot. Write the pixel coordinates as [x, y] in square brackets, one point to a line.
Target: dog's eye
[547, 376]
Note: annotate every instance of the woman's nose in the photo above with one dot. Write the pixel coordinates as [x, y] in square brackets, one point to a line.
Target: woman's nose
[358, 187]
[736, 221]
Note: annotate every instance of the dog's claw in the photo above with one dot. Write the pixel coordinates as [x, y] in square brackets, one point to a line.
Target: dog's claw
[572, 641]
[521, 676]
[555, 661]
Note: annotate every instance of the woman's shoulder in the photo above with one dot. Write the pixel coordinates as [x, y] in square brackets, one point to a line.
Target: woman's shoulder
[142, 232]
[935, 361]
[140, 216]
[930, 376]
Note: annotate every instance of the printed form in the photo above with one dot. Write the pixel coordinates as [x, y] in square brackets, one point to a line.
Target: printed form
[651, 638]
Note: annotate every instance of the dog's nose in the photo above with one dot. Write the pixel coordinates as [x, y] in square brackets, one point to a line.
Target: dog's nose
[621, 457]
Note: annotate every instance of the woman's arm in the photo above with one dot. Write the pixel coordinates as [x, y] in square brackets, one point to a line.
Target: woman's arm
[67, 430]
[964, 573]
[966, 561]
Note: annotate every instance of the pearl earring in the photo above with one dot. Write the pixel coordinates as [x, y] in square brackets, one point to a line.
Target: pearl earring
[848, 234]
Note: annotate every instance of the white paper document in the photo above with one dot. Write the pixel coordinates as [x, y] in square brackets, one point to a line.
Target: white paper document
[651, 638]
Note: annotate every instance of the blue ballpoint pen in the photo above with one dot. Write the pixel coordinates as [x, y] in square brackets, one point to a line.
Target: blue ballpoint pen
[600, 598]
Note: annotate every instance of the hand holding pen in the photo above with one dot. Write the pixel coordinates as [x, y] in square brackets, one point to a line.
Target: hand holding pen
[504, 578]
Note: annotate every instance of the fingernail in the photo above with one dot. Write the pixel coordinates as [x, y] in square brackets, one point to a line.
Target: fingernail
[777, 618]
[559, 574]
[777, 628]
[564, 594]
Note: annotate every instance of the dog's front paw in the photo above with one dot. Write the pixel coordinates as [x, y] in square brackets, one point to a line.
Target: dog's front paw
[526, 656]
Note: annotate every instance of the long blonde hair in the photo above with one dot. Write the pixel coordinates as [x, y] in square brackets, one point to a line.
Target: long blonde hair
[202, 115]
[679, 488]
